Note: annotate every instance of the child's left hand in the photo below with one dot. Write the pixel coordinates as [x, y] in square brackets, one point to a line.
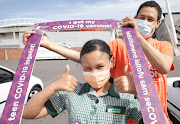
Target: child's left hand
[125, 84]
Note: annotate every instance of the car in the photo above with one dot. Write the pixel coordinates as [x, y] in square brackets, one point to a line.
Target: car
[173, 98]
[6, 78]
[44, 53]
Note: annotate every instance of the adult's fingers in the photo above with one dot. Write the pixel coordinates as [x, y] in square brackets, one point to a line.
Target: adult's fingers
[26, 36]
[28, 33]
[128, 23]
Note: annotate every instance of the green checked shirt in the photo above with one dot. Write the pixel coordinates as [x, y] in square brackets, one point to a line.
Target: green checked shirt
[85, 106]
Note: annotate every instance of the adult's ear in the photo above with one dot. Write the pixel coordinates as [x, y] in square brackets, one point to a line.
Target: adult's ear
[158, 23]
[135, 17]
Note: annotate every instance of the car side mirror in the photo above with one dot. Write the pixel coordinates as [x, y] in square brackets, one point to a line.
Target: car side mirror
[176, 84]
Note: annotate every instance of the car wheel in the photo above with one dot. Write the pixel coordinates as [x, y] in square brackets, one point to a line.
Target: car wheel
[33, 92]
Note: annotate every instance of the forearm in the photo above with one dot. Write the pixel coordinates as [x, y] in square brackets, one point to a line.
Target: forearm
[35, 105]
[161, 62]
[66, 52]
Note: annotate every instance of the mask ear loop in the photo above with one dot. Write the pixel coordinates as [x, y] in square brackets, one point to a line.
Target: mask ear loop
[111, 79]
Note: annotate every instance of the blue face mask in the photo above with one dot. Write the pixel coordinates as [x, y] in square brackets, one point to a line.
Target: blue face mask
[145, 28]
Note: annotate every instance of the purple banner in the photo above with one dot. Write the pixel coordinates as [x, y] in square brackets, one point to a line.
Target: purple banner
[147, 95]
[78, 24]
[15, 102]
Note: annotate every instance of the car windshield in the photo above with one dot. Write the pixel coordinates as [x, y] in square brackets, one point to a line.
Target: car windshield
[5, 76]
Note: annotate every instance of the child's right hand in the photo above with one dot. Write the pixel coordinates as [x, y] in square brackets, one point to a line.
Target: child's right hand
[66, 82]
[45, 42]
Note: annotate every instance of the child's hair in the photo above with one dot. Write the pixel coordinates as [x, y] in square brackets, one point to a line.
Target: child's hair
[94, 45]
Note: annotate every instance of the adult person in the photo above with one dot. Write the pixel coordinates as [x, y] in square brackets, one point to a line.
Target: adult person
[159, 54]
[97, 101]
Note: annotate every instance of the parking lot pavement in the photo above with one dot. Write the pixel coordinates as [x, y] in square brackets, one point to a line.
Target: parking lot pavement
[50, 70]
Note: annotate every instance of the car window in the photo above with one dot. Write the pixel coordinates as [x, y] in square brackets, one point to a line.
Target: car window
[5, 76]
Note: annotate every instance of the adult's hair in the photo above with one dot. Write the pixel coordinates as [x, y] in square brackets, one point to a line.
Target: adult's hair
[94, 45]
[151, 4]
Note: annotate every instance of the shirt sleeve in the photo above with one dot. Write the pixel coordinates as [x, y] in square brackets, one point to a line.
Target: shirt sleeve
[134, 111]
[167, 49]
[119, 52]
[60, 100]
[56, 104]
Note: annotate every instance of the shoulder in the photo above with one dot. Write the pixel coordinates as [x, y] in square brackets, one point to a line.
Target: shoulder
[116, 44]
[116, 41]
[79, 87]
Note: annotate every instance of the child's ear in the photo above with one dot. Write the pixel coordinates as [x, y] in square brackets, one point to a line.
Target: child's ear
[112, 62]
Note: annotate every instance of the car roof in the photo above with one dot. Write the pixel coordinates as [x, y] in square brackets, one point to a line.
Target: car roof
[6, 68]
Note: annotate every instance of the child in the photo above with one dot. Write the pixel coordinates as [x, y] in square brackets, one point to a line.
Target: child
[97, 101]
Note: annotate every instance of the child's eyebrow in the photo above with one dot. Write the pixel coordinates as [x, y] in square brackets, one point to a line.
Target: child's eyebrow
[100, 64]
[86, 67]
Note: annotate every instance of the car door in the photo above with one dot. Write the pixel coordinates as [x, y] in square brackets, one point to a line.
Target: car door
[6, 78]
[173, 98]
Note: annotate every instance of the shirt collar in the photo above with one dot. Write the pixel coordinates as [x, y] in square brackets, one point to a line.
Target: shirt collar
[112, 90]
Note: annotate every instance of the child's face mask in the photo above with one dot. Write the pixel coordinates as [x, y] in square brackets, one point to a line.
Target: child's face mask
[97, 79]
[145, 28]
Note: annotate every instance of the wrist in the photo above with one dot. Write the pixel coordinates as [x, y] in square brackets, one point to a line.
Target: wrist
[50, 45]
[52, 88]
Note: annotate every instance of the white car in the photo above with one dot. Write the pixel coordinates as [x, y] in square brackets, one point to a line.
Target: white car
[173, 98]
[6, 78]
[44, 53]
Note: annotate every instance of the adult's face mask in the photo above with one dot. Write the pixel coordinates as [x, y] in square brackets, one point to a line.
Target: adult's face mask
[97, 79]
[145, 28]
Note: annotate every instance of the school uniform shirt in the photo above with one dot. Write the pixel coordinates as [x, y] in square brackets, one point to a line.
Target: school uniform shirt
[84, 106]
[119, 51]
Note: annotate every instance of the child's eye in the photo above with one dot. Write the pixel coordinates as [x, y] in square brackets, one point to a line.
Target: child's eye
[99, 67]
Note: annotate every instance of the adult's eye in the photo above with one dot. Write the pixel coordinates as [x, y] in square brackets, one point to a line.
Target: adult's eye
[142, 18]
[150, 20]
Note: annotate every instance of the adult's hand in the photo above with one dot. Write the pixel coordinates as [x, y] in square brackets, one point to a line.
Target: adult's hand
[130, 21]
[45, 41]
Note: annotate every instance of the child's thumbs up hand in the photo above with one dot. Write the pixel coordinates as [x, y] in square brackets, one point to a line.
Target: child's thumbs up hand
[125, 84]
[66, 82]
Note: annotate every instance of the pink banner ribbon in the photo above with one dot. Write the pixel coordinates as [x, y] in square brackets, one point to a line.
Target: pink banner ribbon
[150, 105]
[15, 102]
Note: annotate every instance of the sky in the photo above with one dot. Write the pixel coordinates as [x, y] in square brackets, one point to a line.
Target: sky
[57, 10]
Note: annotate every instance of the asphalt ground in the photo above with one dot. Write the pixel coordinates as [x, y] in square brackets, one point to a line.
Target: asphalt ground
[50, 70]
